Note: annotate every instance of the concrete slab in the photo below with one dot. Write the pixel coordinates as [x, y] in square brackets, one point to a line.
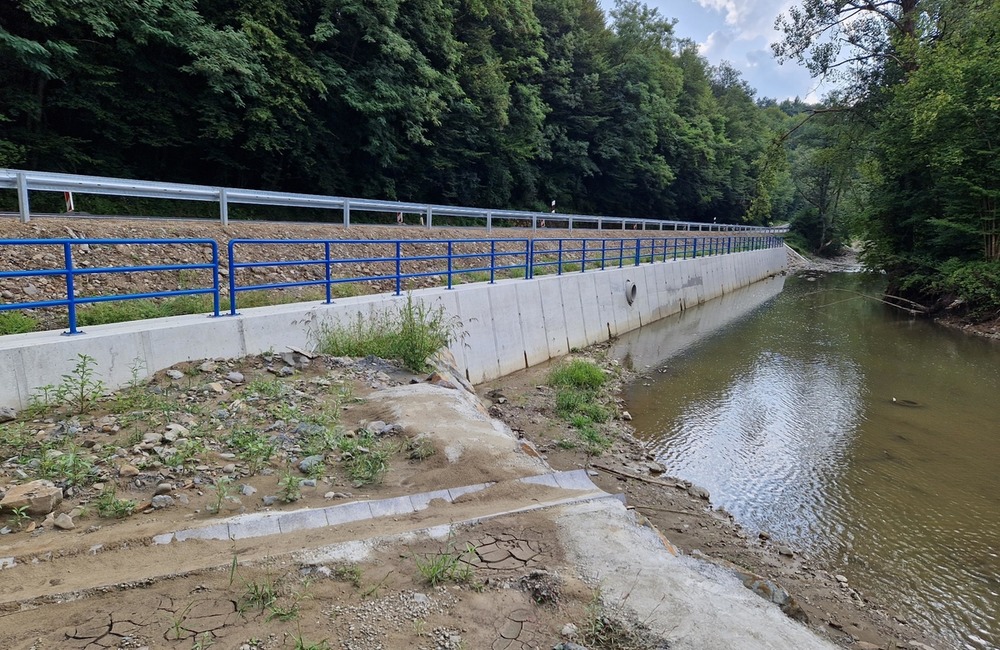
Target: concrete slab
[478, 342]
[214, 531]
[301, 520]
[504, 313]
[348, 512]
[257, 525]
[532, 321]
[422, 500]
[391, 507]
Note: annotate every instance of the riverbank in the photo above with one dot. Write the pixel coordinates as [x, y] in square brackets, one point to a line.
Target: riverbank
[683, 512]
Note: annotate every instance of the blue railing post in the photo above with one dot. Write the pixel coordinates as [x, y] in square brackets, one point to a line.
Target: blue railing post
[694, 248]
[215, 278]
[560, 256]
[638, 251]
[529, 259]
[583, 256]
[70, 289]
[603, 252]
[729, 245]
[493, 261]
[232, 278]
[449, 263]
[399, 280]
[621, 253]
[326, 253]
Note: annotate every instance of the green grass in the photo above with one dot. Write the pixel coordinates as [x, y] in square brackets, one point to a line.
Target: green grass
[446, 566]
[409, 334]
[12, 322]
[577, 401]
[365, 458]
[577, 373]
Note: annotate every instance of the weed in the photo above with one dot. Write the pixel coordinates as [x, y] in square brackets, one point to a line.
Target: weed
[69, 468]
[15, 438]
[12, 322]
[261, 594]
[577, 374]
[410, 335]
[203, 641]
[79, 388]
[365, 459]
[420, 448]
[109, 505]
[253, 448]
[348, 573]
[288, 486]
[223, 489]
[265, 388]
[302, 644]
[19, 517]
[445, 566]
[609, 628]
[566, 443]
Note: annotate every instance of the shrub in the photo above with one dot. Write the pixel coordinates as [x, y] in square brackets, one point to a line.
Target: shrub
[12, 322]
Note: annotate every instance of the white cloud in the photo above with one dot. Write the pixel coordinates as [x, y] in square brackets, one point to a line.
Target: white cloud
[717, 44]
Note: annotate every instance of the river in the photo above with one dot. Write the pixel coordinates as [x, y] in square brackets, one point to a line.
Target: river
[844, 429]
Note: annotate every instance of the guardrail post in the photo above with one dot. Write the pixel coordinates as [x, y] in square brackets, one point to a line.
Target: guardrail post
[70, 288]
[571, 224]
[22, 197]
[347, 213]
[223, 207]
[430, 216]
[600, 224]
[489, 221]
[534, 222]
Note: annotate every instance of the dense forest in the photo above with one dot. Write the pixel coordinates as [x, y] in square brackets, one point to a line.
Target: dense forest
[517, 103]
[495, 103]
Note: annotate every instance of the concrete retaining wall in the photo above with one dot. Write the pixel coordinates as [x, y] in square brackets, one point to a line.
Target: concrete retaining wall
[500, 328]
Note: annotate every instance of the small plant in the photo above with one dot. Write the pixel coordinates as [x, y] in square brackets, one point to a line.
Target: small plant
[420, 448]
[366, 459]
[288, 486]
[265, 388]
[254, 448]
[203, 641]
[19, 517]
[15, 438]
[261, 594]
[446, 566]
[302, 644]
[348, 573]
[69, 468]
[79, 388]
[223, 489]
[109, 505]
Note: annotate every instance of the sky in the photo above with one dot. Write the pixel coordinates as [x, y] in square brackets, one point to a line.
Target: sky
[740, 32]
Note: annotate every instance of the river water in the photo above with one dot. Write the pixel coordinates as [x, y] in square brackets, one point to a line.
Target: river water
[846, 430]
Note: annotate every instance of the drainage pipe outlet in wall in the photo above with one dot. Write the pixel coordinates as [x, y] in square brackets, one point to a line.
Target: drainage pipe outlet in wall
[630, 291]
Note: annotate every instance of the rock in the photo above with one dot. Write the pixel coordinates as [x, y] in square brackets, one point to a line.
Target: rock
[126, 471]
[864, 645]
[569, 631]
[163, 488]
[308, 482]
[309, 462]
[30, 290]
[655, 468]
[269, 500]
[248, 490]
[39, 497]
[216, 387]
[626, 416]
[162, 501]
[152, 438]
[229, 469]
[699, 492]
[227, 456]
[286, 371]
[7, 414]
[841, 579]
[235, 377]
[220, 414]
[208, 366]
[568, 645]
[64, 522]
[439, 380]
[784, 550]
[175, 374]
[917, 645]
[179, 431]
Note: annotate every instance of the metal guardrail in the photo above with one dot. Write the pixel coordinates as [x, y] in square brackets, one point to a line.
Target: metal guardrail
[25, 182]
[316, 263]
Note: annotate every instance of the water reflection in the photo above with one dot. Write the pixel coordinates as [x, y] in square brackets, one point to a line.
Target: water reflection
[845, 430]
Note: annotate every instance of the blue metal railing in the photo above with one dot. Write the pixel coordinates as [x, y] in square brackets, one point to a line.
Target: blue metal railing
[328, 263]
[70, 271]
